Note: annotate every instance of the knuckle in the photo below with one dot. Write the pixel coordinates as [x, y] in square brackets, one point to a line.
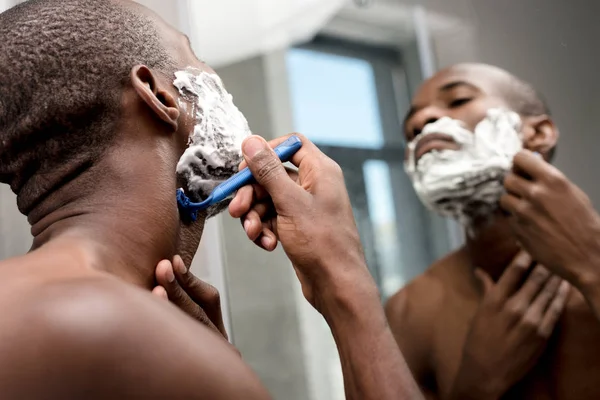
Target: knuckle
[535, 192]
[522, 208]
[515, 311]
[266, 168]
[556, 179]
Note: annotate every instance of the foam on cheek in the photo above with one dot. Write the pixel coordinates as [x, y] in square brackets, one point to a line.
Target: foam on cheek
[466, 184]
[215, 144]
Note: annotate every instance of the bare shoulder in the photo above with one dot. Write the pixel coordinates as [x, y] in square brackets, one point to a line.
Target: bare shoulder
[413, 311]
[100, 339]
[417, 304]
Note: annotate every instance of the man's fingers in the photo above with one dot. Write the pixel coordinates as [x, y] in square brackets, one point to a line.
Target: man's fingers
[268, 240]
[253, 222]
[531, 165]
[555, 310]
[247, 196]
[512, 277]
[308, 148]
[242, 202]
[161, 293]
[269, 171]
[517, 185]
[533, 285]
[515, 206]
[165, 276]
[538, 308]
[205, 296]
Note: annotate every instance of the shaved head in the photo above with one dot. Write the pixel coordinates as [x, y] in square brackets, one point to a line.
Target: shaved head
[467, 91]
[522, 96]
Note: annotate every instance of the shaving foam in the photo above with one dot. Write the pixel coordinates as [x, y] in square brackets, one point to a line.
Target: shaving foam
[466, 184]
[215, 145]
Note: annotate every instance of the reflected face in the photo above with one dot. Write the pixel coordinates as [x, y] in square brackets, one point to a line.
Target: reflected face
[463, 92]
[461, 137]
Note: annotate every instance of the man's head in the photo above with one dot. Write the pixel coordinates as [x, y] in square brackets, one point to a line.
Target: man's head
[464, 126]
[75, 75]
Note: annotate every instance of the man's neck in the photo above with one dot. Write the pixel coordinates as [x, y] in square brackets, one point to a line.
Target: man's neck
[122, 226]
[492, 247]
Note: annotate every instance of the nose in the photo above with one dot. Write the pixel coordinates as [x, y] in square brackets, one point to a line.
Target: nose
[424, 117]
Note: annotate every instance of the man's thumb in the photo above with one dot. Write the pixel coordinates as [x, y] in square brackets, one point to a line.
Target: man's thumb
[267, 169]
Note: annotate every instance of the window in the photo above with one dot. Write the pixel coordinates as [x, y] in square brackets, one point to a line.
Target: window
[349, 99]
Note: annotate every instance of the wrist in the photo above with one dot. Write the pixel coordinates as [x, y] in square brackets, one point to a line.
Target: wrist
[349, 295]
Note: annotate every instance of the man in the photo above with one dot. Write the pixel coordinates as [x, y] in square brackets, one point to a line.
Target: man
[486, 321]
[91, 131]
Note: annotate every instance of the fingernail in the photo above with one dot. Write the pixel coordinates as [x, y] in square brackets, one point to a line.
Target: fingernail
[181, 268]
[253, 146]
[170, 275]
[247, 225]
[266, 241]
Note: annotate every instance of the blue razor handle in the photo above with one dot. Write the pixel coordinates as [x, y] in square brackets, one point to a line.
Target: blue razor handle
[285, 151]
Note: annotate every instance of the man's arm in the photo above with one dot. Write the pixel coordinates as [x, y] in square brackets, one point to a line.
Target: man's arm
[105, 340]
[312, 217]
[372, 363]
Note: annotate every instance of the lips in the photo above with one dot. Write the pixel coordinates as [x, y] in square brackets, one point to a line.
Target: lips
[434, 141]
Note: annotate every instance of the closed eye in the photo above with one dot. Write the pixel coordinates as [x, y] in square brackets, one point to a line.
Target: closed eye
[460, 102]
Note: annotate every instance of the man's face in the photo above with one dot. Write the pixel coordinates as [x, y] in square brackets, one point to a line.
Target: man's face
[461, 139]
[463, 93]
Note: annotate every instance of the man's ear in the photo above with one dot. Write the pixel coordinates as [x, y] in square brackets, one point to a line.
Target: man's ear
[160, 101]
[541, 134]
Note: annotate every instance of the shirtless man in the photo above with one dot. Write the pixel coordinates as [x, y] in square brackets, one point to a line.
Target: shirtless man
[485, 321]
[91, 130]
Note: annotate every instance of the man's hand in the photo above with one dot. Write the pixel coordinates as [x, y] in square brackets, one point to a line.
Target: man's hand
[554, 220]
[309, 212]
[510, 329]
[195, 297]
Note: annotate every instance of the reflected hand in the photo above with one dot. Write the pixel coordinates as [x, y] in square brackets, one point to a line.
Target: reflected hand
[510, 329]
[553, 219]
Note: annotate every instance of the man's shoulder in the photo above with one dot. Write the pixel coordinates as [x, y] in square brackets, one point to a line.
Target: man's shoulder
[109, 338]
[413, 310]
[417, 302]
